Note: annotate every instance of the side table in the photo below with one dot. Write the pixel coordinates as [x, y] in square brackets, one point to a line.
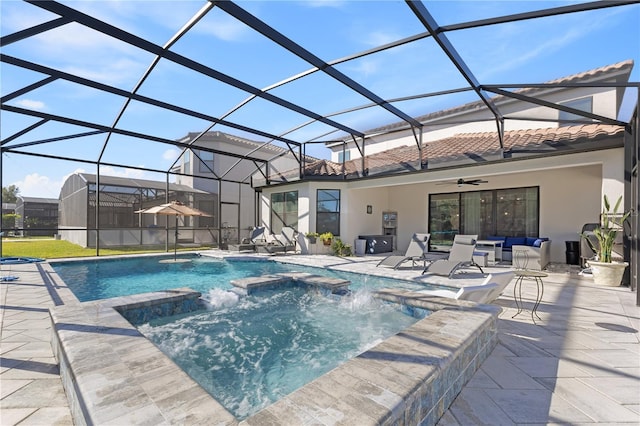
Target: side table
[492, 248]
[517, 291]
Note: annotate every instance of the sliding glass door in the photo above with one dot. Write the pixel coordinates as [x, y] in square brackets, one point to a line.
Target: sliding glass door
[505, 212]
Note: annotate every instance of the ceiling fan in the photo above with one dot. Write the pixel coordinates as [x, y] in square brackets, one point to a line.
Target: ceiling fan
[461, 182]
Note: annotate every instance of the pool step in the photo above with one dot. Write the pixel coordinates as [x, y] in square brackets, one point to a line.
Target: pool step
[267, 282]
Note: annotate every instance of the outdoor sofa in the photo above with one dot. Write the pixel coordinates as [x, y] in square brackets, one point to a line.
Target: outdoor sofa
[525, 252]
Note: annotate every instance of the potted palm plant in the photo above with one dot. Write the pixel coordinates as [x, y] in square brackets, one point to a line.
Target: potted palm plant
[605, 271]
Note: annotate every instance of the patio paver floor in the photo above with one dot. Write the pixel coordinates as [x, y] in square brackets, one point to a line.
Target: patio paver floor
[579, 365]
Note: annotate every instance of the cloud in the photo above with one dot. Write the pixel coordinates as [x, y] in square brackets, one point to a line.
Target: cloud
[223, 27]
[324, 3]
[41, 186]
[170, 154]
[123, 172]
[115, 72]
[37, 185]
[551, 37]
[378, 38]
[78, 170]
[31, 104]
[366, 67]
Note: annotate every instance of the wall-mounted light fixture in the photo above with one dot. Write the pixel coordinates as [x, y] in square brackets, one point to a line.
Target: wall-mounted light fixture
[369, 209]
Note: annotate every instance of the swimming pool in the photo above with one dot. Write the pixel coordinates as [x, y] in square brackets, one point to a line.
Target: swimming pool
[410, 376]
[107, 278]
[247, 351]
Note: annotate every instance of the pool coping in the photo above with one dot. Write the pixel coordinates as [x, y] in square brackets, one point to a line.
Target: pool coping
[113, 374]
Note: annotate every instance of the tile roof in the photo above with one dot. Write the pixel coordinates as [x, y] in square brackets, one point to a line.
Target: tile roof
[471, 147]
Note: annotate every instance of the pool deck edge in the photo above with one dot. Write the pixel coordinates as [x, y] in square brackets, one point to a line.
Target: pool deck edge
[113, 374]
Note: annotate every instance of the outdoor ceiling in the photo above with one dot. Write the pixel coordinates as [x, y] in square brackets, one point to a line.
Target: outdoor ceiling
[256, 70]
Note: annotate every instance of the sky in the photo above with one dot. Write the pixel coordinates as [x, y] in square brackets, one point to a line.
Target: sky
[532, 51]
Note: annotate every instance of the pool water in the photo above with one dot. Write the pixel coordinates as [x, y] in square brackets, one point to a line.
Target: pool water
[103, 279]
[250, 351]
[106, 278]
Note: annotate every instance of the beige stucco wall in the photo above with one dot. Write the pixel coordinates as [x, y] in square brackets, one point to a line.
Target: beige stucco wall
[571, 190]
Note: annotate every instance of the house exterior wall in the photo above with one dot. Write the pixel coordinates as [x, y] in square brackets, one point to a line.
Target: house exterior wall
[569, 197]
[238, 220]
[41, 214]
[571, 191]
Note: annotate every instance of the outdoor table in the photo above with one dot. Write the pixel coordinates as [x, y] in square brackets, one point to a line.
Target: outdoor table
[492, 247]
[517, 291]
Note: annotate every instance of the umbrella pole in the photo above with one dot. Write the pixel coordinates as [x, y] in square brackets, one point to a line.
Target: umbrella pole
[175, 243]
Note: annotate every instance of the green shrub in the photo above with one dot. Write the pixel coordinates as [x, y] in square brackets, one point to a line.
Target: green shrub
[341, 249]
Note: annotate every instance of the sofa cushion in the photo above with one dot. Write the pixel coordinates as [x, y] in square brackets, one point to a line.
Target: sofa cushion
[530, 241]
[537, 243]
[514, 241]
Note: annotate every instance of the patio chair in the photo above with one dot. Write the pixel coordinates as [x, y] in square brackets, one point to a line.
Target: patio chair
[282, 243]
[490, 289]
[586, 247]
[257, 237]
[460, 256]
[418, 247]
[502, 280]
[473, 293]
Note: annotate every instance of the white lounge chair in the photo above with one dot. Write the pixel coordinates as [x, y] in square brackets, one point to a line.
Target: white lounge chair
[460, 256]
[502, 280]
[492, 287]
[418, 247]
[474, 293]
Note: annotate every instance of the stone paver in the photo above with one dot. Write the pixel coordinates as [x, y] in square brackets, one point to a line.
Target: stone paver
[579, 365]
[31, 391]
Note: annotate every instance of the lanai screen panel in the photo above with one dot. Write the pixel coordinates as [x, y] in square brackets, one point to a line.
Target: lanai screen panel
[120, 83]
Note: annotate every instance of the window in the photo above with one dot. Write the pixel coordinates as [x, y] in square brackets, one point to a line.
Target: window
[517, 212]
[328, 211]
[505, 212]
[186, 165]
[284, 211]
[583, 104]
[444, 218]
[344, 156]
[206, 162]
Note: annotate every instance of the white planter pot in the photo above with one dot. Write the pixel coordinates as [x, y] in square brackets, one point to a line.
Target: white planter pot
[607, 274]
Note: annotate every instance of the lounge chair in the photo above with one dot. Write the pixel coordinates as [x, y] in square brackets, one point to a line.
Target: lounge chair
[282, 243]
[502, 279]
[416, 251]
[257, 237]
[460, 256]
[492, 287]
[474, 293]
[588, 242]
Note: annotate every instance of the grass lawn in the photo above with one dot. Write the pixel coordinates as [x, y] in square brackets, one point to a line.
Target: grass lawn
[56, 249]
